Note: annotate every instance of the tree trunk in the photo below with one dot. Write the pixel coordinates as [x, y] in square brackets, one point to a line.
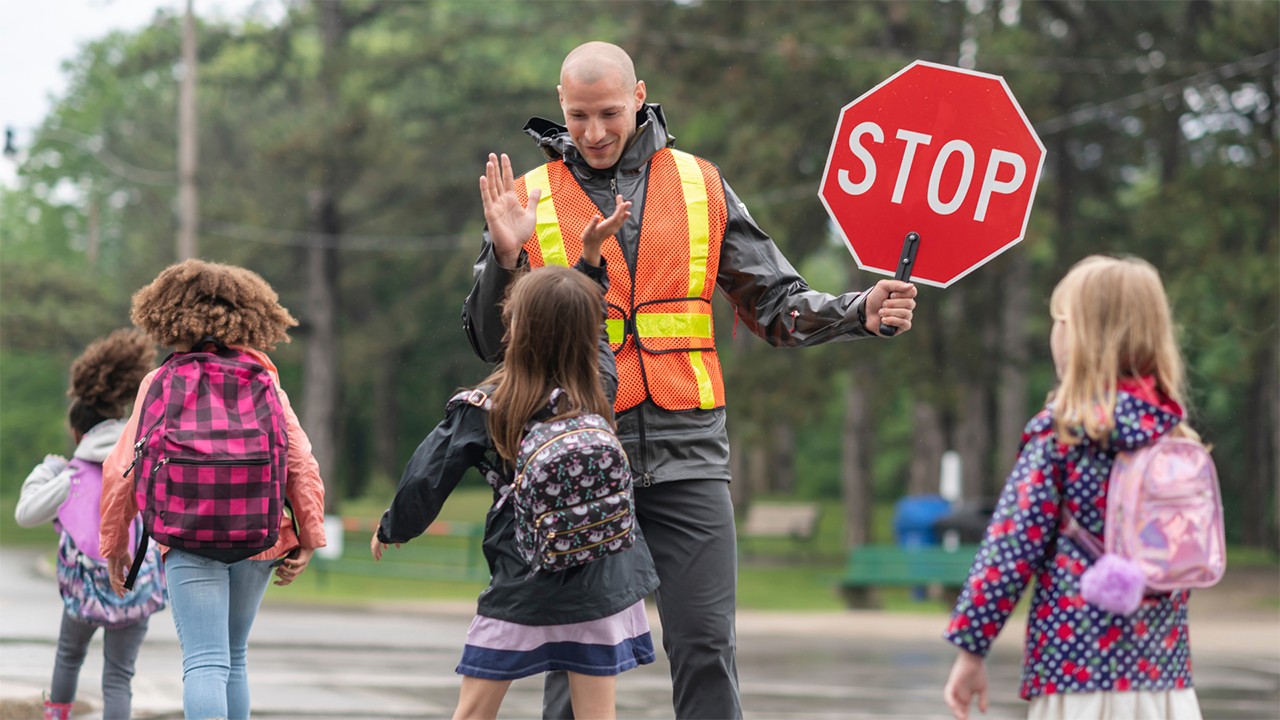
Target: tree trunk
[855, 470]
[188, 200]
[1011, 392]
[757, 470]
[783, 458]
[386, 416]
[927, 446]
[321, 360]
[972, 438]
[739, 487]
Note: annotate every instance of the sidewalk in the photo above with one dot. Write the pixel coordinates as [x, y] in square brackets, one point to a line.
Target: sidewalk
[395, 660]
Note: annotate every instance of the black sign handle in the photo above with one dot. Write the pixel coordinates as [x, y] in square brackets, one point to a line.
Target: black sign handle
[910, 245]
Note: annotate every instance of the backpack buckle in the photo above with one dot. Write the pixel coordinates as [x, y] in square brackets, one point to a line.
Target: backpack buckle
[477, 398]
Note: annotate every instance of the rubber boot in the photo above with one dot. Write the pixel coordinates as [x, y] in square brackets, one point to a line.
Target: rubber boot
[57, 711]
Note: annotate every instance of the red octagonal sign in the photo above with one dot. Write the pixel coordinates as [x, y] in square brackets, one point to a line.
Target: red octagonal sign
[941, 151]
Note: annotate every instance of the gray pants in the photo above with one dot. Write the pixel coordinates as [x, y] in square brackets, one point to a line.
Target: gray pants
[119, 651]
[688, 526]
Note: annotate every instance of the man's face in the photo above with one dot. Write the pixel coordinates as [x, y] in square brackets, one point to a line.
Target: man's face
[601, 117]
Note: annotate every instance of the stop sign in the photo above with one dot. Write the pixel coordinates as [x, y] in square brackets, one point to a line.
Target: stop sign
[940, 151]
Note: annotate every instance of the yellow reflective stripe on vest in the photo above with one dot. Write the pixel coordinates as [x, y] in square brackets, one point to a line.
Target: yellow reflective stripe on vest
[548, 224]
[664, 325]
[694, 187]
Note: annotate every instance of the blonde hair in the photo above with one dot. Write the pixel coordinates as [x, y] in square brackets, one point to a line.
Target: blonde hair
[1118, 324]
[194, 299]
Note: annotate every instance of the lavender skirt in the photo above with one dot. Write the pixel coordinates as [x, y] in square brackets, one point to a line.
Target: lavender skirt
[501, 650]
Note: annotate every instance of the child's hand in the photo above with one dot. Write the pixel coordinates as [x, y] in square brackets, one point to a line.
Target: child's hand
[118, 571]
[293, 564]
[376, 546]
[55, 463]
[968, 678]
[598, 229]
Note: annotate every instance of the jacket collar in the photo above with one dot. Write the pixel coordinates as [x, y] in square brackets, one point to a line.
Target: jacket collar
[651, 136]
[1142, 416]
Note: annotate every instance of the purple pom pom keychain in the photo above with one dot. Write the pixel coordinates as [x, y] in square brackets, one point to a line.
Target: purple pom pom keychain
[1114, 584]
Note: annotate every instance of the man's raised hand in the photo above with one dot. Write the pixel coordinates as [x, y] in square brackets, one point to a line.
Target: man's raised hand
[510, 223]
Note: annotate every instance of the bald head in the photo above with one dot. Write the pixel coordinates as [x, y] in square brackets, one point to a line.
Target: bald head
[593, 62]
[600, 97]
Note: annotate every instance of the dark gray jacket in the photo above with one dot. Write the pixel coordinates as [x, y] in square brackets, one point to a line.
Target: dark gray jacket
[766, 292]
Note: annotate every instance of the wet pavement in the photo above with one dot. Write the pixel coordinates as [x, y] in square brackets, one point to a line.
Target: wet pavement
[396, 661]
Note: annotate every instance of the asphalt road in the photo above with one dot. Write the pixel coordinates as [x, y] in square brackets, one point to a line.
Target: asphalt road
[396, 661]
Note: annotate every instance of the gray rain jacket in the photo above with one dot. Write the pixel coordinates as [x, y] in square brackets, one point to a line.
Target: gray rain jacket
[766, 292]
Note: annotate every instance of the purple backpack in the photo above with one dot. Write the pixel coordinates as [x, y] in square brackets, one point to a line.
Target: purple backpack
[83, 579]
[210, 458]
[1163, 526]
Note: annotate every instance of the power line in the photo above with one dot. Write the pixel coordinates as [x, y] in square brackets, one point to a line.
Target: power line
[1088, 113]
[341, 241]
[93, 146]
[1083, 114]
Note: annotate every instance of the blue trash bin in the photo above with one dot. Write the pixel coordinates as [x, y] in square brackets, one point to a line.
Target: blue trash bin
[913, 522]
[914, 518]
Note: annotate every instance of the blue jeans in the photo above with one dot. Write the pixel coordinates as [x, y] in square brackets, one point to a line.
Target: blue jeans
[213, 607]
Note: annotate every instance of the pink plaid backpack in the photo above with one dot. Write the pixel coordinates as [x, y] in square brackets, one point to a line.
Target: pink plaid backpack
[1163, 526]
[210, 458]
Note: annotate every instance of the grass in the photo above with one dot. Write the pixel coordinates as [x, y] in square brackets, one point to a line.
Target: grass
[781, 574]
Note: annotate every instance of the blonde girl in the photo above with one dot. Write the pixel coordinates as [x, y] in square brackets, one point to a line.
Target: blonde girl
[1121, 386]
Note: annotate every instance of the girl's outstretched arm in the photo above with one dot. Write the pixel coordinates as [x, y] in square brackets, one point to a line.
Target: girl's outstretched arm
[968, 678]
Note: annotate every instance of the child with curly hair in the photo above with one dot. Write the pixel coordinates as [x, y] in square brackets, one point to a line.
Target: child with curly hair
[104, 380]
[1120, 387]
[214, 603]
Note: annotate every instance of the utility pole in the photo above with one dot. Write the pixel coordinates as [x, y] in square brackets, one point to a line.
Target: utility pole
[188, 202]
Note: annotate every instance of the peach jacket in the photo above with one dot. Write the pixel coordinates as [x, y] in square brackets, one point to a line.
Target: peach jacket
[303, 485]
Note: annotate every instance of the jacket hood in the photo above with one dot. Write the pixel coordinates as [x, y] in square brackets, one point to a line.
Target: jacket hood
[651, 136]
[1142, 415]
[97, 443]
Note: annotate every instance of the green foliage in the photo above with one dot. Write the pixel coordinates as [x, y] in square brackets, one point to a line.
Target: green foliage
[1178, 165]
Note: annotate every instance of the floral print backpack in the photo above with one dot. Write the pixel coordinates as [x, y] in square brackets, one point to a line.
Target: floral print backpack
[572, 492]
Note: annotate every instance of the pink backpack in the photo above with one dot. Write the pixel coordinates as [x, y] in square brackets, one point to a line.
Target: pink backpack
[210, 458]
[1164, 528]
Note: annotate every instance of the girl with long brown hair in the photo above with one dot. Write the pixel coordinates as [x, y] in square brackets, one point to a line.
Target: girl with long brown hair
[588, 620]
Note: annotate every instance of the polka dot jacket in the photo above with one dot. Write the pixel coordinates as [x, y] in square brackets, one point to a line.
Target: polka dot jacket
[1071, 646]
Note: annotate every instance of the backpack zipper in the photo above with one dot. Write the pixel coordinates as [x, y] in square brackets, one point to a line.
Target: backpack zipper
[137, 447]
[547, 444]
[551, 535]
[263, 460]
[553, 553]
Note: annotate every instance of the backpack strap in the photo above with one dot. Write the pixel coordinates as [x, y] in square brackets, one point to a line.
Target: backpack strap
[476, 396]
[1082, 537]
[144, 536]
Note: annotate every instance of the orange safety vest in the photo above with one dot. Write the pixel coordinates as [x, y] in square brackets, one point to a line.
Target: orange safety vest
[659, 323]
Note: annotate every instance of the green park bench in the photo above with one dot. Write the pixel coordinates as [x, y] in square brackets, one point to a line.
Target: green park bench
[871, 567]
[446, 551]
